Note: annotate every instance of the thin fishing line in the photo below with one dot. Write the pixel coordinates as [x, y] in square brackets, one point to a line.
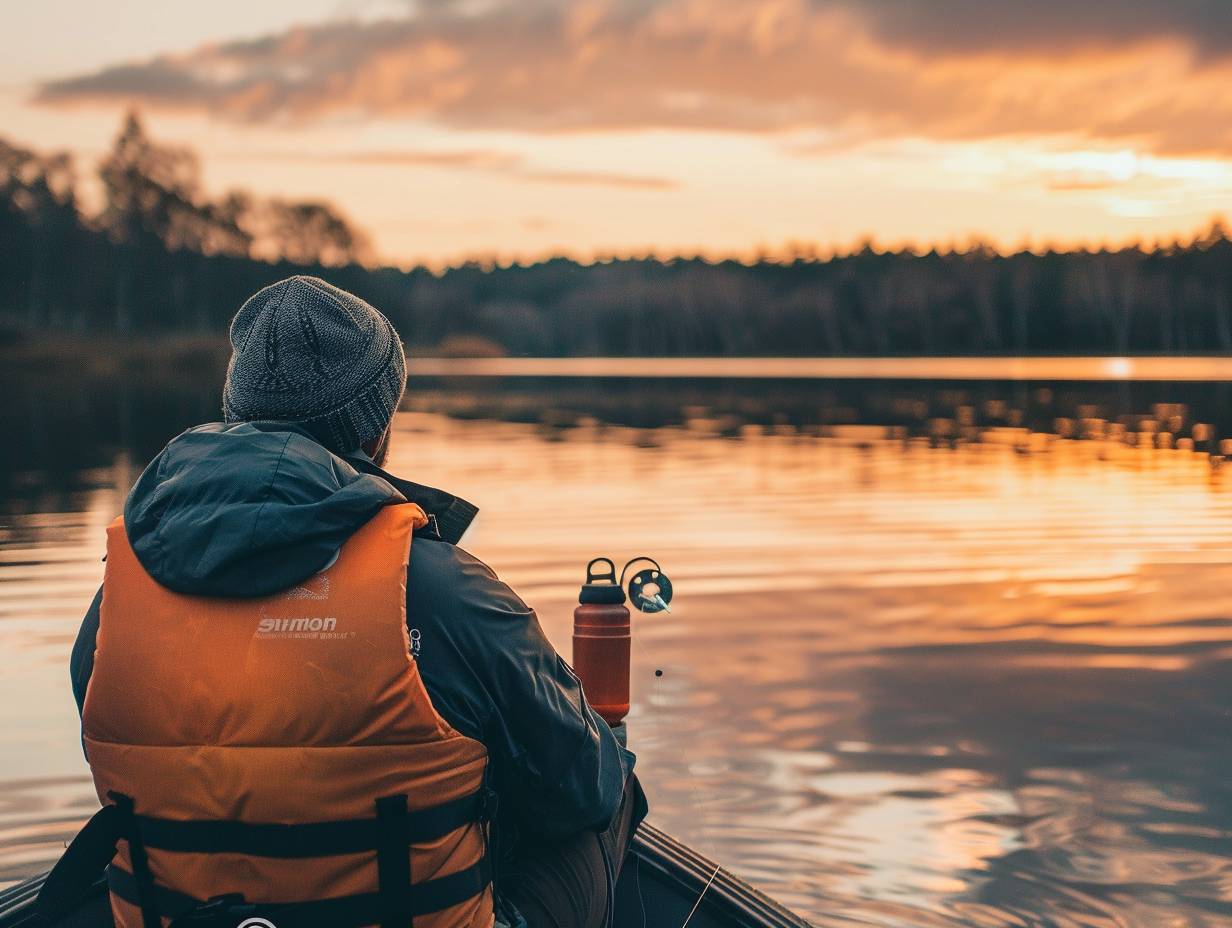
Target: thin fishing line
[695, 794]
[637, 879]
[673, 744]
[674, 747]
[717, 868]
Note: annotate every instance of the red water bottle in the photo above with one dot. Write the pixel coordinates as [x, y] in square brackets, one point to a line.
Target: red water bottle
[601, 636]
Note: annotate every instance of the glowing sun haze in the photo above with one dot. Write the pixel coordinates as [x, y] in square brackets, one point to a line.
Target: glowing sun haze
[519, 127]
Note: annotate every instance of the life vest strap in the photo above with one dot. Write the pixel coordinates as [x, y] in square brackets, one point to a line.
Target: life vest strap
[143, 882]
[342, 911]
[83, 863]
[312, 839]
[393, 863]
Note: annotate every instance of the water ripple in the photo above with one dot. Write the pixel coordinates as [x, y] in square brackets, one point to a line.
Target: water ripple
[906, 682]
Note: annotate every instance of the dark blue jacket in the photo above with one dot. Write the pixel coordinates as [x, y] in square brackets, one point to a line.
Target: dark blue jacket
[249, 509]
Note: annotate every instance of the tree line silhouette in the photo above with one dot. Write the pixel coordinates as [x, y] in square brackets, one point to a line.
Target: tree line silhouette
[160, 257]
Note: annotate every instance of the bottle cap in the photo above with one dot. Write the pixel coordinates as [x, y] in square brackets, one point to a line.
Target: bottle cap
[601, 587]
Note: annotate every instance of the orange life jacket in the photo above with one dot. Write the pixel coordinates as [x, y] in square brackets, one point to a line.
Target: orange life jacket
[283, 749]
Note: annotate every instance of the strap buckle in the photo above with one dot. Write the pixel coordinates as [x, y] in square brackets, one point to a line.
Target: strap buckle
[226, 909]
[489, 805]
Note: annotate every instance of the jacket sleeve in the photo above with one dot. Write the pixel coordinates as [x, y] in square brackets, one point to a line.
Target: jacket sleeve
[492, 674]
[81, 662]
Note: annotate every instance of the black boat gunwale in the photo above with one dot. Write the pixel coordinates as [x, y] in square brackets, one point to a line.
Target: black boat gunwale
[663, 877]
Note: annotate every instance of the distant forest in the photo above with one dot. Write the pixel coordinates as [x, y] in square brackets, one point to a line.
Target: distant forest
[159, 257]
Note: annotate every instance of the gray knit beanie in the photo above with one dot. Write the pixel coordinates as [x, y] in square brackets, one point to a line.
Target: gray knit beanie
[305, 351]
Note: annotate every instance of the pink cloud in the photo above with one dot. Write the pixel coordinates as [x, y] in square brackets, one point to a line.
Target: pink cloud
[1155, 74]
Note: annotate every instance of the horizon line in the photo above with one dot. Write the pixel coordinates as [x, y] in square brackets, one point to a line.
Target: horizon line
[1086, 368]
[796, 251]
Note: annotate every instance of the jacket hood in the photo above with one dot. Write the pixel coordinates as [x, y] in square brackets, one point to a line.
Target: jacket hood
[247, 509]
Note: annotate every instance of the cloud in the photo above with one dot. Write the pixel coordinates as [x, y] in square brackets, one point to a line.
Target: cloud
[1080, 183]
[600, 179]
[1155, 74]
[477, 159]
[486, 160]
[1047, 26]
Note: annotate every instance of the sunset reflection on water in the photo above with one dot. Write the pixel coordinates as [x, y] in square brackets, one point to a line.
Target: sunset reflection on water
[924, 675]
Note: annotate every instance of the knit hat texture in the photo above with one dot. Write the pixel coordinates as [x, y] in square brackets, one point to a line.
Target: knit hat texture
[305, 351]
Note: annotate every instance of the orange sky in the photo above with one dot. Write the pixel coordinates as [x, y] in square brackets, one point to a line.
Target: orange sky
[519, 127]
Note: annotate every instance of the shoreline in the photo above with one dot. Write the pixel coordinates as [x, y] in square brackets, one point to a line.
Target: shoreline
[109, 355]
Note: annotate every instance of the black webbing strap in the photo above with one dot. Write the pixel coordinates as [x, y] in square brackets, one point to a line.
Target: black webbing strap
[76, 873]
[166, 902]
[314, 839]
[143, 882]
[393, 862]
[339, 912]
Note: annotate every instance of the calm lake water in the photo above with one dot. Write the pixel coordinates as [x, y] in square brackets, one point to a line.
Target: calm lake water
[942, 652]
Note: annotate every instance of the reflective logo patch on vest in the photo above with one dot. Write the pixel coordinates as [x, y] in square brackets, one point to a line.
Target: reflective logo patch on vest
[299, 627]
[316, 588]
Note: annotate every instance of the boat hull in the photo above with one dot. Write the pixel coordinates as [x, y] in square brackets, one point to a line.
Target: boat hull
[663, 883]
